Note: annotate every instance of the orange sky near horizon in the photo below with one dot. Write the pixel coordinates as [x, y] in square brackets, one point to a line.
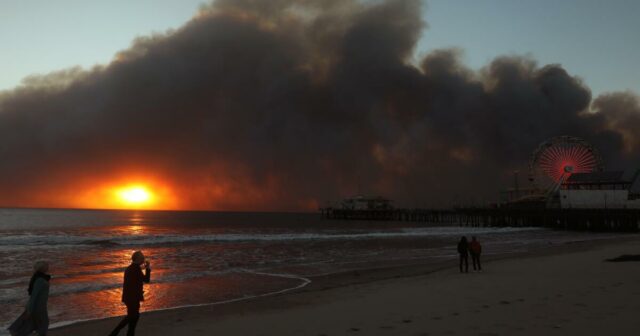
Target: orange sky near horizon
[128, 194]
[122, 191]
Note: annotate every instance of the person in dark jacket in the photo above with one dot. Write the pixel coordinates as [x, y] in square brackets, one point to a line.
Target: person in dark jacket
[463, 250]
[132, 293]
[35, 318]
[475, 249]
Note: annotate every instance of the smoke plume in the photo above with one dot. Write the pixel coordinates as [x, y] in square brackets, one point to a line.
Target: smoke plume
[283, 105]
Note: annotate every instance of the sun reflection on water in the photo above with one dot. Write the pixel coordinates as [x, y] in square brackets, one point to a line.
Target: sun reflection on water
[136, 230]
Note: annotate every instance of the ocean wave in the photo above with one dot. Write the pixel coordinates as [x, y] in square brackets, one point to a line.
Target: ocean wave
[62, 239]
[17, 293]
[13, 281]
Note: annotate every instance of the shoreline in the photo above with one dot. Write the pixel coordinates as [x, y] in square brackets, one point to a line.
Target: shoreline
[318, 285]
[64, 324]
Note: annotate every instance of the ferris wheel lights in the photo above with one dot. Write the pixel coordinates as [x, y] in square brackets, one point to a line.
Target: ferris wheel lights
[561, 156]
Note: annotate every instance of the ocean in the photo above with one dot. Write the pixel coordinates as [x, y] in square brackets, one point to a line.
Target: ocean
[214, 257]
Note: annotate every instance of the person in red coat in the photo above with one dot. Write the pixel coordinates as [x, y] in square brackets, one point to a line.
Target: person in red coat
[132, 293]
[475, 248]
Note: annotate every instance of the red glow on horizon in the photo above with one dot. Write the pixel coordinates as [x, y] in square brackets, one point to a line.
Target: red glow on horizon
[142, 193]
[213, 188]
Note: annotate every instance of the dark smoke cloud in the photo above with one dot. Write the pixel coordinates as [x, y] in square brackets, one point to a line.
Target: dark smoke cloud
[283, 104]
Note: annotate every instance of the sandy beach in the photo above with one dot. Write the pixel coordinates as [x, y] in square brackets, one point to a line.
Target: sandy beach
[566, 291]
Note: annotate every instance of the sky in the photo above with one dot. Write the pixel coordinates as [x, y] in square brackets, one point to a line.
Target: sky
[290, 105]
[596, 40]
[43, 36]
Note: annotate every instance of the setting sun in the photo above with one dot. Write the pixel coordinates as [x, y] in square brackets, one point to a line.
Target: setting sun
[135, 196]
[135, 192]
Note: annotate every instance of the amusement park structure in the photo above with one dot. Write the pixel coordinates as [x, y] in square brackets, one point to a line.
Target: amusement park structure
[567, 172]
[568, 189]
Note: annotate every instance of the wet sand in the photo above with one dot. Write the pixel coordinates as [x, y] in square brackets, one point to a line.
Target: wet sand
[569, 290]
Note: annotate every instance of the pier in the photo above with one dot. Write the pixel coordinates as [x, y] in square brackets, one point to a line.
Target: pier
[603, 220]
[402, 215]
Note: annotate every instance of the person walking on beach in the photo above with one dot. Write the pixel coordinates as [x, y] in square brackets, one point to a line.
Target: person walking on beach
[35, 317]
[475, 249]
[132, 292]
[463, 250]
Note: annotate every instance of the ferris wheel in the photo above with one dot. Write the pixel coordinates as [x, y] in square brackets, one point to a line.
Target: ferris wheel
[557, 158]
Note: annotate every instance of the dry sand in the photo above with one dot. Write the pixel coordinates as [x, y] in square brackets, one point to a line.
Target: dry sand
[567, 292]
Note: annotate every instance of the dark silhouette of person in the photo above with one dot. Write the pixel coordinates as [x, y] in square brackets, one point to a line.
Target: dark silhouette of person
[463, 250]
[132, 293]
[475, 249]
[35, 317]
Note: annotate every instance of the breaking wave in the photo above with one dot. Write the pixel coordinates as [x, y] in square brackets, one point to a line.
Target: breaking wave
[62, 239]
